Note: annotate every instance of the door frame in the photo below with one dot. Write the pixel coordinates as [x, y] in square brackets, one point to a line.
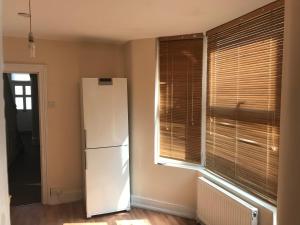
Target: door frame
[41, 71]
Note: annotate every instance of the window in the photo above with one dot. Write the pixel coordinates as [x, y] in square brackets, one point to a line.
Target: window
[22, 91]
[243, 99]
[180, 66]
[243, 104]
[20, 77]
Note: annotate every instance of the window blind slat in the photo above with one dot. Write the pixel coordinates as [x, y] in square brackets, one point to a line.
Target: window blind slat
[180, 97]
[243, 111]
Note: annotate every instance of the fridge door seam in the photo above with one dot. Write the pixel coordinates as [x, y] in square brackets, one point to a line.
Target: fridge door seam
[114, 146]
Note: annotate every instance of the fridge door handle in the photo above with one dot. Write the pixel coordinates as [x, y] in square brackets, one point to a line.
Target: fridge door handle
[85, 160]
[84, 138]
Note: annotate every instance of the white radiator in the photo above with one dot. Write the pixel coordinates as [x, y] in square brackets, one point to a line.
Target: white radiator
[216, 206]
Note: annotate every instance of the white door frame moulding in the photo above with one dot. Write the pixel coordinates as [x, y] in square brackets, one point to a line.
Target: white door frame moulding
[41, 71]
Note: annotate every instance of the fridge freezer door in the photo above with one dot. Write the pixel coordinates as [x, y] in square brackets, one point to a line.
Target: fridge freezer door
[105, 112]
[107, 180]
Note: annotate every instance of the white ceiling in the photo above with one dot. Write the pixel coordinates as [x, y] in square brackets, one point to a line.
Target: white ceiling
[121, 20]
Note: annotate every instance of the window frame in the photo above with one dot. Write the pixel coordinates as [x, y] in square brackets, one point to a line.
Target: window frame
[202, 166]
[24, 95]
[159, 160]
[261, 12]
[223, 181]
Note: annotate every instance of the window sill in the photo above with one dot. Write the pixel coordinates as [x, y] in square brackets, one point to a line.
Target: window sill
[178, 164]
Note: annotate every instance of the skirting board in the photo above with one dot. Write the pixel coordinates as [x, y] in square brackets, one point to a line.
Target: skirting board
[165, 207]
[66, 196]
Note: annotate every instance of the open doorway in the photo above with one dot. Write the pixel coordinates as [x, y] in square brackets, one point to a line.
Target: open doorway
[23, 138]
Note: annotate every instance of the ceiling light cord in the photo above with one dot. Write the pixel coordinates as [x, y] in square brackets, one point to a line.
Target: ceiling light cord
[30, 23]
[31, 43]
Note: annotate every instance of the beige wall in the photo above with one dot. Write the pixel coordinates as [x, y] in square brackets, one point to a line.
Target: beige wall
[153, 182]
[66, 63]
[4, 197]
[289, 167]
[101, 58]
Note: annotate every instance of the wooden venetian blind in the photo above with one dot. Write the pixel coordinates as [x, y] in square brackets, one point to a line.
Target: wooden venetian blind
[243, 112]
[180, 67]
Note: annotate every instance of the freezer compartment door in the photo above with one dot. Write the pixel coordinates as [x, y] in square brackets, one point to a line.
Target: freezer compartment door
[107, 180]
[105, 112]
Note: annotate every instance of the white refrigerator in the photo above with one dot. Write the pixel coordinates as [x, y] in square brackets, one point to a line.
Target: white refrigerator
[105, 145]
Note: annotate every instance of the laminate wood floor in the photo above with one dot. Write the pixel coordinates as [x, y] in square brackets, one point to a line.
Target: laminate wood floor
[73, 214]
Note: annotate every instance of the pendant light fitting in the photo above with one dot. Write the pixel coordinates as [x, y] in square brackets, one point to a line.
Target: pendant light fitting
[31, 43]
